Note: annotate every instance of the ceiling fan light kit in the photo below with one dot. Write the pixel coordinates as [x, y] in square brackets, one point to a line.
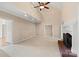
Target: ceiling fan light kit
[42, 5]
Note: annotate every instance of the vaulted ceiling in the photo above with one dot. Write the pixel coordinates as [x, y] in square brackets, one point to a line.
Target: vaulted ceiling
[19, 9]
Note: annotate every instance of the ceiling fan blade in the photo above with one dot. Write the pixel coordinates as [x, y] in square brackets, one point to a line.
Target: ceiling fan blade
[47, 3]
[46, 7]
[36, 6]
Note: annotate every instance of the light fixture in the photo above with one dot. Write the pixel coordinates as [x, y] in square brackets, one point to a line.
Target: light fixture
[41, 7]
[25, 14]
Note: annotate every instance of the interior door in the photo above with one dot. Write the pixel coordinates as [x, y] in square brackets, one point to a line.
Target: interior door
[7, 32]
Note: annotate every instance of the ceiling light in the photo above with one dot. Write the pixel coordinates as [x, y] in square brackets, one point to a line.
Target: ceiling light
[41, 7]
[25, 14]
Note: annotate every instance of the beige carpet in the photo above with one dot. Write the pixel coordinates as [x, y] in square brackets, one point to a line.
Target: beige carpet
[3, 54]
[34, 48]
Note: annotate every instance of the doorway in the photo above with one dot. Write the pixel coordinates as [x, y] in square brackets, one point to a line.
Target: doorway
[6, 33]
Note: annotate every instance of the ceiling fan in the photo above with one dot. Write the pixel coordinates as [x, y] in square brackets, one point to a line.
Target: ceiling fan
[42, 5]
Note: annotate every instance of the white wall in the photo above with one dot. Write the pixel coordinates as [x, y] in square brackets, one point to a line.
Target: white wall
[78, 29]
[69, 17]
[21, 28]
[0, 31]
[52, 17]
[69, 12]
